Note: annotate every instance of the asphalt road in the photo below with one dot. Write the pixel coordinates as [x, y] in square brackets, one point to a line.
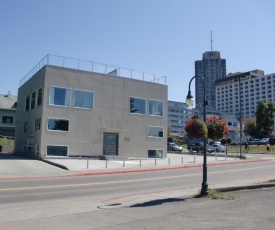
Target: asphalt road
[88, 202]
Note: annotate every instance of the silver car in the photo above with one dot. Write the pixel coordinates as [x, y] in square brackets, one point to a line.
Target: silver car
[219, 148]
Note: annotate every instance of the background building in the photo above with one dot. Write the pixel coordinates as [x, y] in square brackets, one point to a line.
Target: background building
[66, 112]
[212, 68]
[8, 107]
[178, 113]
[250, 87]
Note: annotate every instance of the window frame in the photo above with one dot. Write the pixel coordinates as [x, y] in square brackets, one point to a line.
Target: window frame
[33, 100]
[37, 97]
[145, 109]
[27, 103]
[70, 95]
[151, 136]
[7, 116]
[89, 91]
[58, 130]
[57, 146]
[154, 100]
[155, 153]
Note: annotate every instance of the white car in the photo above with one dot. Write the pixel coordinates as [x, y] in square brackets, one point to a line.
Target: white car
[218, 148]
[174, 147]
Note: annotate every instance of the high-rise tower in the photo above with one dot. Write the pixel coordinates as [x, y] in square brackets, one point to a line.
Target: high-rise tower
[212, 68]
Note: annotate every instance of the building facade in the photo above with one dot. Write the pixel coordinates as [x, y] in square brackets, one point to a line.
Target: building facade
[242, 91]
[212, 67]
[65, 112]
[8, 105]
[178, 114]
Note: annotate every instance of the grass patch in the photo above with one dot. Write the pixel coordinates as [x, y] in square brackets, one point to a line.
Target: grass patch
[214, 194]
[5, 141]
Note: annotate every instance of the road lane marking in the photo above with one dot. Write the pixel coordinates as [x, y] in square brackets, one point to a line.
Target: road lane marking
[126, 181]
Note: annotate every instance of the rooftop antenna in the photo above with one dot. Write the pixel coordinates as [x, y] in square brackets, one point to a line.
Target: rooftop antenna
[211, 40]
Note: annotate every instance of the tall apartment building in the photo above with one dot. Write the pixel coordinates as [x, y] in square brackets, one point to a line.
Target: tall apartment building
[250, 87]
[212, 68]
[178, 113]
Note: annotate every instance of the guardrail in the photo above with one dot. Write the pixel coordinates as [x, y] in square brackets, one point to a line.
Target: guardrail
[79, 64]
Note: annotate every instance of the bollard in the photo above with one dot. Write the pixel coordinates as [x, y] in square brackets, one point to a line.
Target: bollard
[169, 160]
[87, 164]
[106, 163]
[155, 161]
[216, 157]
[123, 163]
[194, 159]
[225, 157]
[182, 160]
[140, 163]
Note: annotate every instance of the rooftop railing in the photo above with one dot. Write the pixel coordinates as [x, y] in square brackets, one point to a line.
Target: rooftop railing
[78, 64]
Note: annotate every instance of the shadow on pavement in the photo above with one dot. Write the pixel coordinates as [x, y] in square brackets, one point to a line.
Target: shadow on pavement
[157, 202]
[12, 156]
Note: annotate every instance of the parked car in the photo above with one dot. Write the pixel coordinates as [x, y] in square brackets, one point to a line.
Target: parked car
[174, 147]
[263, 141]
[218, 148]
[253, 141]
[198, 147]
[237, 142]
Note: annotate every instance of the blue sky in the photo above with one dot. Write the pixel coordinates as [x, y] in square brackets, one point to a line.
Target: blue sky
[158, 36]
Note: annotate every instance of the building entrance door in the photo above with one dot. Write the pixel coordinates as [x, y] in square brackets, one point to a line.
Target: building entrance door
[110, 144]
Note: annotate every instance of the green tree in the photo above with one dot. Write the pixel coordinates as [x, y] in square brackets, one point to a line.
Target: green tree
[265, 118]
[250, 126]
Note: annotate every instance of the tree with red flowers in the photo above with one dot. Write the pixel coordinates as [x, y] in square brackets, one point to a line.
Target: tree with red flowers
[217, 129]
[196, 128]
[214, 128]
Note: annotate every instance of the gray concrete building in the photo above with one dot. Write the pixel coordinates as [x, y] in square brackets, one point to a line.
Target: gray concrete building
[212, 67]
[90, 109]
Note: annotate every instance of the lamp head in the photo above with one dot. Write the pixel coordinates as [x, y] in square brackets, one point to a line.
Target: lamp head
[189, 99]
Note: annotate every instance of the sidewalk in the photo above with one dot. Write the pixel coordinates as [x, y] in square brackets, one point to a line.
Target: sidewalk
[12, 166]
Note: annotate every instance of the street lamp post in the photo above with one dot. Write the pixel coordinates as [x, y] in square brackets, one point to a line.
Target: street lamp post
[240, 112]
[189, 102]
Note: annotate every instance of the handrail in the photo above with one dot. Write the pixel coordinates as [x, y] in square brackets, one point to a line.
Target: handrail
[79, 64]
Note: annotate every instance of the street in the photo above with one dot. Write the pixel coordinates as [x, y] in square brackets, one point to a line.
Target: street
[64, 198]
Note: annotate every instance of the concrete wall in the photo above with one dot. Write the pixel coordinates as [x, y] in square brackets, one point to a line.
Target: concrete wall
[86, 127]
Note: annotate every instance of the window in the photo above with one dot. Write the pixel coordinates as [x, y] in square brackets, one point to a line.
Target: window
[83, 99]
[33, 100]
[60, 96]
[7, 119]
[27, 103]
[37, 123]
[58, 124]
[155, 108]
[137, 105]
[57, 151]
[25, 127]
[154, 131]
[155, 153]
[39, 96]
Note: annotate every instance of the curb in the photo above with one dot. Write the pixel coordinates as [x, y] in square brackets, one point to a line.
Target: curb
[256, 186]
[163, 168]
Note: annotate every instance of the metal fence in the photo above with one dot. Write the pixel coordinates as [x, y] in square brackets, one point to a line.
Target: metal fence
[78, 64]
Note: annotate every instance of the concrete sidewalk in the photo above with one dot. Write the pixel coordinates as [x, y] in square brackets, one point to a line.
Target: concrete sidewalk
[13, 166]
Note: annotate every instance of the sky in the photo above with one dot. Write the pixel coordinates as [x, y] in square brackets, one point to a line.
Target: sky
[158, 36]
